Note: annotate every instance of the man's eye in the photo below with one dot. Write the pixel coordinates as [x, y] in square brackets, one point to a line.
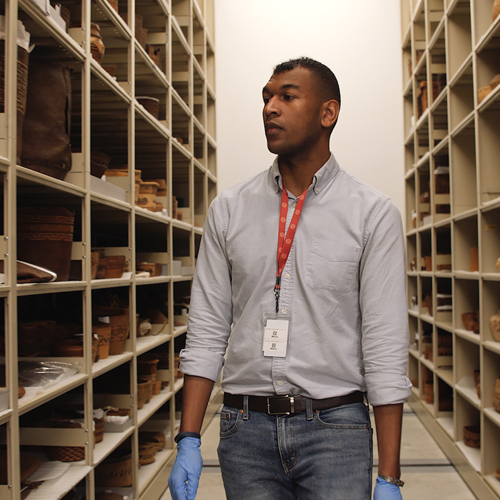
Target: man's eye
[266, 100]
[288, 97]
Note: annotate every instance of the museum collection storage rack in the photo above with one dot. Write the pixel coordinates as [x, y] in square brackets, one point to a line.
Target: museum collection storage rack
[148, 109]
[451, 56]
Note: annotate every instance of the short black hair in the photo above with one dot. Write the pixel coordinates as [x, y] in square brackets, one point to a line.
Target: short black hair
[328, 84]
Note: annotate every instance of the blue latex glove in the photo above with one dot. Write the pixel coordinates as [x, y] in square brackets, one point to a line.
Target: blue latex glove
[386, 491]
[187, 469]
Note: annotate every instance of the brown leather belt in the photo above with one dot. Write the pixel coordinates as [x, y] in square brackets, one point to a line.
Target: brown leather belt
[286, 405]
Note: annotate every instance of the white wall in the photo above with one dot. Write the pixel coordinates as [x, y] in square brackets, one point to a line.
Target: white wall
[359, 40]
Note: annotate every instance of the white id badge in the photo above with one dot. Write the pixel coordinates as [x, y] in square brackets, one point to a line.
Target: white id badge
[275, 338]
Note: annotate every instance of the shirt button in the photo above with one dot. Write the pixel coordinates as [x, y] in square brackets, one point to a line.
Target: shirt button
[284, 311]
[287, 275]
[280, 382]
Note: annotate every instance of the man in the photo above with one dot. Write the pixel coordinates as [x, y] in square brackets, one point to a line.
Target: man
[300, 283]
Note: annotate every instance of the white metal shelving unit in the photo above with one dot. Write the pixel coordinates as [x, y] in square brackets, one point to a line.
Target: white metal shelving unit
[180, 147]
[453, 48]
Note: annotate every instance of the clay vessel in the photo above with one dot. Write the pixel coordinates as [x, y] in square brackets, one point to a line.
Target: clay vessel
[496, 9]
[495, 326]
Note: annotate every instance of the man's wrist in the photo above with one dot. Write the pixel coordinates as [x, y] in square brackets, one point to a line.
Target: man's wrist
[183, 435]
[391, 480]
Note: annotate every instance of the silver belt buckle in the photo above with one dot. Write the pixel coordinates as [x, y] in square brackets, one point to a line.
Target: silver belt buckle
[291, 399]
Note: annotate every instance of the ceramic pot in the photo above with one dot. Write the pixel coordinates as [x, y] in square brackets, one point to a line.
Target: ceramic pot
[496, 396]
[495, 326]
[496, 9]
[96, 43]
[103, 331]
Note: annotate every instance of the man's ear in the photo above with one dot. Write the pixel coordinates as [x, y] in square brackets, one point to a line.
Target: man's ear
[330, 113]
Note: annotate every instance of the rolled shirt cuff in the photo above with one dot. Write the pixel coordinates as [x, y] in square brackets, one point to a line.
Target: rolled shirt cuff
[201, 363]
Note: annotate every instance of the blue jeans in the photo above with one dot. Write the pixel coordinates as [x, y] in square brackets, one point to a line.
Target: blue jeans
[320, 455]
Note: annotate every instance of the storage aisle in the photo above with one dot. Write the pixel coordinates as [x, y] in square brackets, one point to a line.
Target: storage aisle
[426, 470]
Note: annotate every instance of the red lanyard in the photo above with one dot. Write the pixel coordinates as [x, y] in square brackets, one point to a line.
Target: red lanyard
[285, 242]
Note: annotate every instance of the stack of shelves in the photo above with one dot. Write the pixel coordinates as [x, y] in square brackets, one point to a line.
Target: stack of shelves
[162, 50]
[451, 50]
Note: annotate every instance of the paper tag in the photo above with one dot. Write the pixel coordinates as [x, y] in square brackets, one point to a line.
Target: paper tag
[275, 338]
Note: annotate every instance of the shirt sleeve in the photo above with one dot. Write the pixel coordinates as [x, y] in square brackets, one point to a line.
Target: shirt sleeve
[384, 308]
[210, 312]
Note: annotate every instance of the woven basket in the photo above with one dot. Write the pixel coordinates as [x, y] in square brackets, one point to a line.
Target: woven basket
[158, 438]
[147, 452]
[472, 436]
[146, 367]
[144, 392]
[99, 430]
[115, 471]
[114, 266]
[66, 453]
[157, 387]
[119, 320]
[45, 238]
[103, 331]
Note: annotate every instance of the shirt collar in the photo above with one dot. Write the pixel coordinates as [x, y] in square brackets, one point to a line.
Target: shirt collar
[320, 179]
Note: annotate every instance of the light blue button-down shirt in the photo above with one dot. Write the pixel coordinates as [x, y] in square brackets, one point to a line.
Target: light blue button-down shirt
[343, 287]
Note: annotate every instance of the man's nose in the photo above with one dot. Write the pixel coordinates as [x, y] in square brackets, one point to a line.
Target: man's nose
[272, 106]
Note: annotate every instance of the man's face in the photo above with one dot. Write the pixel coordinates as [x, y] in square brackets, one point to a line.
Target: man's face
[292, 112]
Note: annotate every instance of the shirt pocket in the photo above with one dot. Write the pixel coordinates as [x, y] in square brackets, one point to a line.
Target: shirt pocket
[332, 265]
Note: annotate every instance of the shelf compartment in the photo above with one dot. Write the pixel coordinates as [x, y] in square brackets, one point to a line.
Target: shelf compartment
[445, 400]
[424, 214]
[200, 201]
[439, 121]
[491, 452]
[199, 92]
[425, 303]
[435, 14]
[490, 307]
[438, 64]
[181, 69]
[443, 310]
[490, 238]
[45, 31]
[463, 175]
[491, 369]
[461, 98]
[467, 415]
[181, 124]
[467, 361]
[443, 254]
[465, 243]
[110, 124]
[489, 149]
[466, 300]
[459, 36]
[198, 41]
[152, 158]
[482, 18]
